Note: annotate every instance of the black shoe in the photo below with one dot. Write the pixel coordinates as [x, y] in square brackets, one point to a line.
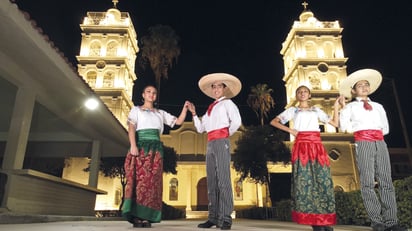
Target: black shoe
[396, 228]
[321, 228]
[207, 224]
[318, 228]
[137, 225]
[226, 226]
[146, 224]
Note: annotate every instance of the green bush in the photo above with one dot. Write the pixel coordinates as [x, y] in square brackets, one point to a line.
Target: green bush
[350, 209]
[283, 210]
[403, 190]
[172, 213]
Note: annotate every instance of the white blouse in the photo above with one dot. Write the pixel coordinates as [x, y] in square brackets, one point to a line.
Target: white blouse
[304, 119]
[150, 119]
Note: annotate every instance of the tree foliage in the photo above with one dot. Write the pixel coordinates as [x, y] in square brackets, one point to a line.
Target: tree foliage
[257, 146]
[160, 50]
[261, 101]
[169, 160]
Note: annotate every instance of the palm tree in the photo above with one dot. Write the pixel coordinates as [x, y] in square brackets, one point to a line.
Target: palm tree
[261, 101]
[160, 50]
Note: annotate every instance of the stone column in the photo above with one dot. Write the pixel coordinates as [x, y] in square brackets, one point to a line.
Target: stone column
[94, 164]
[18, 133]
[189, 189]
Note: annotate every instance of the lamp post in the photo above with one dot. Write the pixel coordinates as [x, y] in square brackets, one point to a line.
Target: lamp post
[402, 120]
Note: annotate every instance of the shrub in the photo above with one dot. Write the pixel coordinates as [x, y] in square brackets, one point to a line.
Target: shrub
[171, 213]
[403, 190]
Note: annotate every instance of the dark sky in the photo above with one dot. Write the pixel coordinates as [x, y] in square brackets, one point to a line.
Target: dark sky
[244, 38]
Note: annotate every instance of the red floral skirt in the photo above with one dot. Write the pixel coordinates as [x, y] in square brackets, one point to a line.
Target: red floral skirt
[313, 199]
[144, 182]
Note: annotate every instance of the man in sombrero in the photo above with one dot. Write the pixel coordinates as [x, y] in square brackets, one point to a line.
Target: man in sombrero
[221, 120]
[368, 122]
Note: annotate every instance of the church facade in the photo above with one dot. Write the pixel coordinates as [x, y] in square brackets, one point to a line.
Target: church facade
[313, 56]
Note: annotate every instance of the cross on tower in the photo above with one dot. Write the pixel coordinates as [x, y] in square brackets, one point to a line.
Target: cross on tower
[115, 3]
[305, 4]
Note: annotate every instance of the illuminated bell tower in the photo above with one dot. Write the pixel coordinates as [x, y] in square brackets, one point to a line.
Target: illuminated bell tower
[313, 56]
[107, 58]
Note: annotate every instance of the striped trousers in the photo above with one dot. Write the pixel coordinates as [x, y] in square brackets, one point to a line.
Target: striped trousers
[374, 165]
[219, 186]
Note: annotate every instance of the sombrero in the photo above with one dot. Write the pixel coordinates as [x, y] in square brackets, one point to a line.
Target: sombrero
[232, 83]
[372, 76]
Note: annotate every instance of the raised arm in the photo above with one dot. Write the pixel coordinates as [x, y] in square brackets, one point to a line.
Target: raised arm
[182, 115]
[335, 120]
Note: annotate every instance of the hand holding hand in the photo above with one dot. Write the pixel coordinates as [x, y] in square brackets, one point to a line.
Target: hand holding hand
[191, 107]
[340, 101]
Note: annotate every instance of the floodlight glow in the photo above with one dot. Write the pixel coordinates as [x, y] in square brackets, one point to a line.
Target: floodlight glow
[91, 103]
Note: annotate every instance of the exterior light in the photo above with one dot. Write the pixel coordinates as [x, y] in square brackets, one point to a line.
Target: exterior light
[91, 103]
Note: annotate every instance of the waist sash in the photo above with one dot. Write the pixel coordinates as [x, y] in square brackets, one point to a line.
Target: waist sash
[368, 135]
[218, 134]
[148, 134]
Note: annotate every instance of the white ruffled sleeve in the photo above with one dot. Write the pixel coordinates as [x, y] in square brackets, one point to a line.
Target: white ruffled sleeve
[168, 118]
[287, 115]
[132, 118]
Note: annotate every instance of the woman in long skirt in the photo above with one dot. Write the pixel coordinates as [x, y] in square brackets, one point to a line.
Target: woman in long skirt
[313, 201]
[144, 161]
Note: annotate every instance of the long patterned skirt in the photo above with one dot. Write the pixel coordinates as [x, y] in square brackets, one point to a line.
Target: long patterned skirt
[144, 180]
[313, 200]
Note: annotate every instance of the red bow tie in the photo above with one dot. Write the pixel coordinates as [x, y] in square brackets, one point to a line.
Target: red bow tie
[366, 105]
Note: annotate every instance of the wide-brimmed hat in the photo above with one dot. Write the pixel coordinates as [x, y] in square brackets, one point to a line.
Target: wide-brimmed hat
[372, 76]
[232, 83]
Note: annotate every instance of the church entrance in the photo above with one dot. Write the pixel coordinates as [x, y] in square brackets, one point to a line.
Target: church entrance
[202, 200]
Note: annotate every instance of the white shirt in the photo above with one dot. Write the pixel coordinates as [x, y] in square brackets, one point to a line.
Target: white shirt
[224, 114]
[304, 119]
[150, 119]
[353, 117]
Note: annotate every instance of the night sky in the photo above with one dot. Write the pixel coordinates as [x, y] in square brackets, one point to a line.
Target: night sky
[244, 38]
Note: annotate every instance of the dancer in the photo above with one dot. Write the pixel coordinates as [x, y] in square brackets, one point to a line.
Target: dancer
[368, 121]
[144, 161]
[313, 200]
[220, 121]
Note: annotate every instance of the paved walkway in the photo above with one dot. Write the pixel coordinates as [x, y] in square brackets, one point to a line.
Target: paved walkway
[166, 225]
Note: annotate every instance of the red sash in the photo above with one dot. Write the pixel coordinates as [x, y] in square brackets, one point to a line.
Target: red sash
[218, 134]
[368, 135]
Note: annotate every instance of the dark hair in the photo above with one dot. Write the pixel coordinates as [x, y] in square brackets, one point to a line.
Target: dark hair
[354, 85]
[302, 86]
[224, 85]
[149, 85]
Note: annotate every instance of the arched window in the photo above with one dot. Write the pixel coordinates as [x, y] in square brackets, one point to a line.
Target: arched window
[95, 48]
[338, 188]
[310, 48]
[328, 50]
[108, 79]
[238, 186]
[173, 189]
[91, 78]
[111, 48]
